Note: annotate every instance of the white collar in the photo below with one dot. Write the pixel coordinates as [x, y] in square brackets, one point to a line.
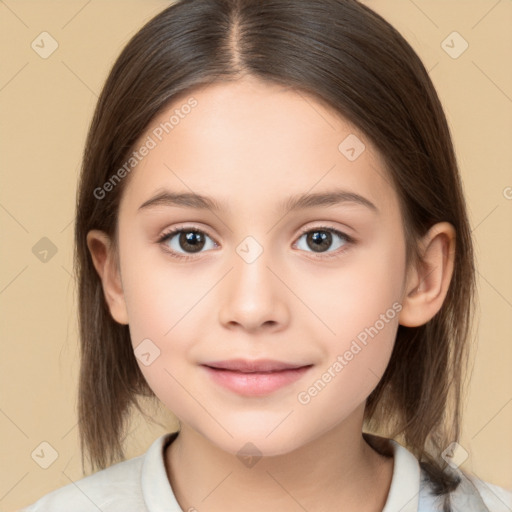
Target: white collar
[404, 491]
[403, 494]
[156, 489]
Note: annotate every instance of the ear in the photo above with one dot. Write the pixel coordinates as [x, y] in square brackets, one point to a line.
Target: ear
[104, 259]
[427, 283]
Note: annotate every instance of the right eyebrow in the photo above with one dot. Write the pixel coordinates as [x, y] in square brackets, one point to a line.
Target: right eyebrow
[187, 200]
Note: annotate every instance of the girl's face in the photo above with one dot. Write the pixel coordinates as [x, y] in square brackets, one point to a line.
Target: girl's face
[317, 285]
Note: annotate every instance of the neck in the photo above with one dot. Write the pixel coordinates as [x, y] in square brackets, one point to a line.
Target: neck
[336, 467]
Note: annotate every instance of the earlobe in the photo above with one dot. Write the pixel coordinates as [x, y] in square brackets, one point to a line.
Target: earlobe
[104, 260]
[428, 282]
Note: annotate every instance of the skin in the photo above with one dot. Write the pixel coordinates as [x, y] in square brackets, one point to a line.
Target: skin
[253, 144]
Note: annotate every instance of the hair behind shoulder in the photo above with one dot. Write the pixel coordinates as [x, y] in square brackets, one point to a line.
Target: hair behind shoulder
[351, 59]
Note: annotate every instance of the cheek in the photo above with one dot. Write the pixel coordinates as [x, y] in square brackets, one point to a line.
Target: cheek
[351, 373]
[353, 296]
[167, 304]
[161, 303]
[160, 294]
[360, 305]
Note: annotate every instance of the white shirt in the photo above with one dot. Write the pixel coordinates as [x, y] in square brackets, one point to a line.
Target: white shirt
[140, 484]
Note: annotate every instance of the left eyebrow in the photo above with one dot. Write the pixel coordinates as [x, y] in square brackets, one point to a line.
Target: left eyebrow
[297, 202]
[331, 198]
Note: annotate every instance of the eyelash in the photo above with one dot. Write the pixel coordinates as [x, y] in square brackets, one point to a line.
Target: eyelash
[169, 234]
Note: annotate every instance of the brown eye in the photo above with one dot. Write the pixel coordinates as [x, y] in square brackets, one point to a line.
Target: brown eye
[183, 241]
[321, 239]
[191, 240]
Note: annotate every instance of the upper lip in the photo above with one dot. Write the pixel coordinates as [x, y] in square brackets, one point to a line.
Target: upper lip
[257, 365]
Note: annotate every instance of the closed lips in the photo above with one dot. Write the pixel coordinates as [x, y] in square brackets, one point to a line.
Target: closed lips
[261, 366]
[256, 377]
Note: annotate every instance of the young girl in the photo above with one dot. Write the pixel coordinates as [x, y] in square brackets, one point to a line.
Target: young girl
[271, 239]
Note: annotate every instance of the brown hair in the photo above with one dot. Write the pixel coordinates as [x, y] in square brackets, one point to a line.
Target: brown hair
[350, 58]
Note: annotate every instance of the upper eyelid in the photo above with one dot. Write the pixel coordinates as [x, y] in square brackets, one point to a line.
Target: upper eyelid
[173, 231]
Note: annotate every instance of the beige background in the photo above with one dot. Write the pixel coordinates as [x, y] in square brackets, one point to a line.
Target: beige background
[46, 106]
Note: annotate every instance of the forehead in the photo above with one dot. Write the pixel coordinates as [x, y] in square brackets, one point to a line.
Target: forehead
[249, 141]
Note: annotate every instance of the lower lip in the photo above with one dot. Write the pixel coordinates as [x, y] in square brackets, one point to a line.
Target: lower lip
[255, 384]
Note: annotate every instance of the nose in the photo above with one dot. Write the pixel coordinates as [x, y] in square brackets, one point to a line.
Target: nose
[253, 296]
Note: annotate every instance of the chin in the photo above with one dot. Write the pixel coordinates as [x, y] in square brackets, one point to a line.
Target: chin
[257, 441]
